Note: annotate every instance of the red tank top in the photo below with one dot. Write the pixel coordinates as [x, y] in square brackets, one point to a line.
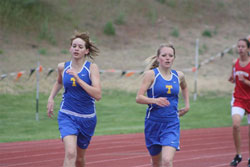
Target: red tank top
[241, 90]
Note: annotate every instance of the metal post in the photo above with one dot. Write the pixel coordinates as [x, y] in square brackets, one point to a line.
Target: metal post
[37, 88]
[196, 68]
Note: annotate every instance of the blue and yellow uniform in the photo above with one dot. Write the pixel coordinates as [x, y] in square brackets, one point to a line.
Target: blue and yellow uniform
[77, 114]
[162, 124]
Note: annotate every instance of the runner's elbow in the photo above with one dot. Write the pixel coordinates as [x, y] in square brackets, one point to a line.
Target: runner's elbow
[138, 100]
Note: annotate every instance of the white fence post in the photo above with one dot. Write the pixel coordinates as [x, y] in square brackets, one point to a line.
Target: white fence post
[196, 68]
[37, 87]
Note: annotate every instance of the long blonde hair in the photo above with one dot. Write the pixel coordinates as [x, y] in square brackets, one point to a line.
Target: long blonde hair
[152, 60]
[93, 50]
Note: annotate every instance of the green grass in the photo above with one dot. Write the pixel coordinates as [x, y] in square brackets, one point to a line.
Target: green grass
[21, 13]
[208, 112]
[17, 118]
[175, 32]
[109, 28]
[207, 33]
[117, 113]
[120, 19]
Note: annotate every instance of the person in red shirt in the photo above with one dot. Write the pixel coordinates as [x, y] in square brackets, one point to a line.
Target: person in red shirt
[241, 95]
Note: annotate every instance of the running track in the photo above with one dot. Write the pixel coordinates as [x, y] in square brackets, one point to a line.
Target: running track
[211, 147]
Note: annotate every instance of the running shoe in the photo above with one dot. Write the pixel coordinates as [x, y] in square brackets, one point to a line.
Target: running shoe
[237, 160]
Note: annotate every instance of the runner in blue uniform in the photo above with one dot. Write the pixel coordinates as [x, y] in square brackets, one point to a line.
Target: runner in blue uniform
[162, 124]
[77, 116]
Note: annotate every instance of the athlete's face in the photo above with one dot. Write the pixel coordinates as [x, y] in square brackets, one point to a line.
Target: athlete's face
[166, 57]
[78, 49]
[242, 47]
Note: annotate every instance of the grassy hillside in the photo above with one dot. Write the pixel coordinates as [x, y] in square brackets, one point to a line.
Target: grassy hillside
[126, 31]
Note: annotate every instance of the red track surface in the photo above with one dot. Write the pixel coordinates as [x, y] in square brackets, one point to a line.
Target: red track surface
[211, 147]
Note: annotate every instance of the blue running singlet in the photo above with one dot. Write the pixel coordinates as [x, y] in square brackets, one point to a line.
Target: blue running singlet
[76, 101]
[164, 88]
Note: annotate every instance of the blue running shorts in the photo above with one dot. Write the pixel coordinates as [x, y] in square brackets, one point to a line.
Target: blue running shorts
[83, 128]
[160, 133]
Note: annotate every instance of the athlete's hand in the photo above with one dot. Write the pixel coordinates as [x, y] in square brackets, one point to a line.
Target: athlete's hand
[50, 108]
[231, 79]
[72, 72]
[162, 101]
[241, 78]
[183, 111]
